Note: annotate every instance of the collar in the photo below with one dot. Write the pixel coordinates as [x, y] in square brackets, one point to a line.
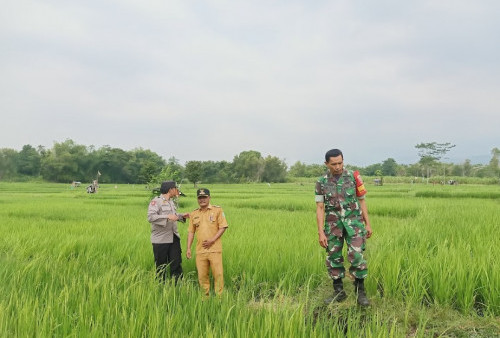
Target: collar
[209, 207]
[329, 174]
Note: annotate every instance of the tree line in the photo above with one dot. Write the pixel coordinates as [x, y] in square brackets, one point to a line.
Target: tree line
[67, 161]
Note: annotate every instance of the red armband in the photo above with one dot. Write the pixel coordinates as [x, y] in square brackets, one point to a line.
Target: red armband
[360, 186]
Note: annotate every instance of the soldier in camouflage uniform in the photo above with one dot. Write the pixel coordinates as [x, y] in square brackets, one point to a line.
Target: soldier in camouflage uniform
[342, 215]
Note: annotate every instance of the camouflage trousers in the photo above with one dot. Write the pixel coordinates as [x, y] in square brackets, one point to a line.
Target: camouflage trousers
[355, 248]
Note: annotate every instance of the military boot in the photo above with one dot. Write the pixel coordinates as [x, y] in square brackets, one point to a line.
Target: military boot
[339, 294]
[359, 288]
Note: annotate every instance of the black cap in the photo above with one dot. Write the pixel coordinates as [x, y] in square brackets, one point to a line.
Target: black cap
[202, 192]
[166, 186]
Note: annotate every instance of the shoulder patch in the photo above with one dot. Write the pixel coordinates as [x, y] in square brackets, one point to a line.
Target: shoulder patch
[153, 203]
[358, 178]
[360, 187]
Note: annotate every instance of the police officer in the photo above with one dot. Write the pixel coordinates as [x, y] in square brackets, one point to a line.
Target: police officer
[163, 216]
[342, 215]
[208, 222]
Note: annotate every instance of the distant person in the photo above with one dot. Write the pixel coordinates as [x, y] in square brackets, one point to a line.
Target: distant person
[208, 222]
[163, 216]
[342, 215]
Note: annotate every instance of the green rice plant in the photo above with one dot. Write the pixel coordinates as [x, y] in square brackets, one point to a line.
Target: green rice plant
[74, 264]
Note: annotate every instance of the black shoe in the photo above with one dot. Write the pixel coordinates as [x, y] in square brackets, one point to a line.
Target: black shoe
[339, 294]
[359, 287]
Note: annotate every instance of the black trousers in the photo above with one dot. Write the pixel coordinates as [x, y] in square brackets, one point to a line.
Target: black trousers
[168, 254]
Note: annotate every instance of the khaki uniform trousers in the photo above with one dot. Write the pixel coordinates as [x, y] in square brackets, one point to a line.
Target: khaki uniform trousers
[204, 262]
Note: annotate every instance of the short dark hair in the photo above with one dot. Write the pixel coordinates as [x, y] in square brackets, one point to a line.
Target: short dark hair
[166, 186]
[333, 153]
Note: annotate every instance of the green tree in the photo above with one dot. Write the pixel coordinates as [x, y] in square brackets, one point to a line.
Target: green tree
[29, 161]
[248, 166]
[65, 162]
[371, 170]
[194, 171]
[427, 163]
[224, 172]
[143, 165]
[414, 170]
[315, 170]
[173, 171]
[457, 170]
[298, 169]
[8, 159]
[381, 177]
[389, 167]
[467, 168]
[147, 171]
[274, 170]
[401, 170]
[209, 172]
[431, 153]
[112, 164]
[494, 166]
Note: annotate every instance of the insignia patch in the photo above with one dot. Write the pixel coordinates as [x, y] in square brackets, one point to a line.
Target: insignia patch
[153, 203]
[361, 188]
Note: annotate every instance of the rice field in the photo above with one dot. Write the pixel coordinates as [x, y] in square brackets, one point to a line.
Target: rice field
[74, 264]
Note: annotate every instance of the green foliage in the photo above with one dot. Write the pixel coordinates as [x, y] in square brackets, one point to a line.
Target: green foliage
[274, 170]
[8, 167]
[29, 161]
[434, 150]
[217, 172]
[300, 169]
[248, 166]
[144, 165]
[389, 167]
[372, 170]
[68, 161]
[172, 171]
[194, 171]
[75, 264]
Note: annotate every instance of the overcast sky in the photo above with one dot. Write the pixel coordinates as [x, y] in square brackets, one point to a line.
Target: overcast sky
[206, 80]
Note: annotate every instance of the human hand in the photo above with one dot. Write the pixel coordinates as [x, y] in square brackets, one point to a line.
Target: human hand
[172, 217]
[207, 244]
[369, 231]
[186, 215]
[323, 241]
[188, 253]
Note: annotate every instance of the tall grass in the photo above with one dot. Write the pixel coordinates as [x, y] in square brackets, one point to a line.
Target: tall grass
[73, 264]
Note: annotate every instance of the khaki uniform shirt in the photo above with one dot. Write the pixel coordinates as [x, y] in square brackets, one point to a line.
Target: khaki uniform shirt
[205, 224]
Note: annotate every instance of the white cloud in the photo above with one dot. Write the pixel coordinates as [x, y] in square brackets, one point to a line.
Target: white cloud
[289, 78]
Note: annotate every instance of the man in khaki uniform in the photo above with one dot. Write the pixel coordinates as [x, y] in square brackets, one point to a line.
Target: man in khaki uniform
[208, 222]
